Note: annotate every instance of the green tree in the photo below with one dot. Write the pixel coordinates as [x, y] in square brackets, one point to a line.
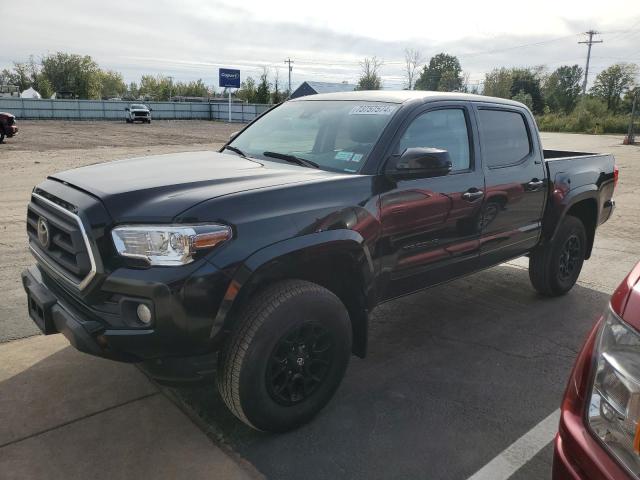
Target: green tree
[195, 88]
[158, 88]
[111, 84]
[527, 80]
[43, 86]
[497, 83]
[627, 100]
[612, 83]
[132, 91]
[263, 92]
[515, 82]
[524, 97]
[443, 74]
[247, 92]
[562, 88]
[75, 73]
[370, 77]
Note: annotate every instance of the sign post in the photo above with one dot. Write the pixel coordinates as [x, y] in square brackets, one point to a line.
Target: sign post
[229, 78]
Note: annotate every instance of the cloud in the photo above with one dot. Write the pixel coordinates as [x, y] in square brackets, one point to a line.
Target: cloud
[191, 39]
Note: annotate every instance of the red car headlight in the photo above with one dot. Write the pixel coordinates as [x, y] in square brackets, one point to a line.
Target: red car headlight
[613, 414]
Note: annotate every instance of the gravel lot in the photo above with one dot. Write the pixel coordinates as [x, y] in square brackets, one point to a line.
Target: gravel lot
[454, 375]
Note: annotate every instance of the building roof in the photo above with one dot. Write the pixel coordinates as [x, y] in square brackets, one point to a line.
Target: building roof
[328, 87]
[402, 96]
[311, 88]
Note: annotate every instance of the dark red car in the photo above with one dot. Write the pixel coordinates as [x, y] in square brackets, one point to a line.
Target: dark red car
[599, 432]
[8, 126]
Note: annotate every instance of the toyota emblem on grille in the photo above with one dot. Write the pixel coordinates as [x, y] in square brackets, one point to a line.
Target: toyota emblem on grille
[43, 232]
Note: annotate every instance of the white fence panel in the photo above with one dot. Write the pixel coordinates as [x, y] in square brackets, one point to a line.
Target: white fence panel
[28, 109]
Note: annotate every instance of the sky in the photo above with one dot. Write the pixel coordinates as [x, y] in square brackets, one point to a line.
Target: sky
[326, 39]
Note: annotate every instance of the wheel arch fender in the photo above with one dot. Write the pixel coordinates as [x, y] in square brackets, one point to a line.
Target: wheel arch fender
[338, 260]
[581, 203]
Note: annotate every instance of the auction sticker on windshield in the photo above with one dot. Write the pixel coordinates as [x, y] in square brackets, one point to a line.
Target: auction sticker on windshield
[373, 110]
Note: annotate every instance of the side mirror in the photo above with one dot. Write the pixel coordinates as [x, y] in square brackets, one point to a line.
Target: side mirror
[126, 109]
[420, 162]
[151, 109]
[233, 135]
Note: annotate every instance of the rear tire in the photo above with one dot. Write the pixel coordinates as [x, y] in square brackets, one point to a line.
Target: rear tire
[554, 268]
[286, 356]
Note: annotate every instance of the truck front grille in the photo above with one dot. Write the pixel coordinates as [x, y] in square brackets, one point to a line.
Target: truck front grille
[140, 114]
[57, 238]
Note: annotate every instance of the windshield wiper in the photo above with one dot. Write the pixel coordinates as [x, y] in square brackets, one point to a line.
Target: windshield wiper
[292, 159]
[234, 149]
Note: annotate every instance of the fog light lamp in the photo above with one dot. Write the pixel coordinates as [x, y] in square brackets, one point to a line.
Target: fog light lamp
[144, 313]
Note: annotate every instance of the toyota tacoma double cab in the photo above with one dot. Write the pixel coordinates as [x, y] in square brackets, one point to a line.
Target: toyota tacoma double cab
[272, 252]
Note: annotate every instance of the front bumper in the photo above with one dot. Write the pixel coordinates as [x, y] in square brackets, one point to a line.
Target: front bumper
[53, 315]
[105, 323]
[579, 456]
[143, 117]
[12, 131]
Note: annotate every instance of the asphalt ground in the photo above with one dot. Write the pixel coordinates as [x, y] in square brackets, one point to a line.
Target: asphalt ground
[455, 374]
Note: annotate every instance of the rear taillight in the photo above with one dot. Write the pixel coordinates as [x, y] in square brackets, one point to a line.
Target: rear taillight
[615, 176]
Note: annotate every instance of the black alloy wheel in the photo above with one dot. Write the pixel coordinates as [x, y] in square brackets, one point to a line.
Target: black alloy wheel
[570, 257]
[299, 363]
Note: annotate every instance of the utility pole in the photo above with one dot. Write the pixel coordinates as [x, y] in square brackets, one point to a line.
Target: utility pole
[289, 62]
[170, 86]
[631, 134]
[589, 42]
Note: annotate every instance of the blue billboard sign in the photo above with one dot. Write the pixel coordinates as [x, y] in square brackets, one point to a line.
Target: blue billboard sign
[228, 78]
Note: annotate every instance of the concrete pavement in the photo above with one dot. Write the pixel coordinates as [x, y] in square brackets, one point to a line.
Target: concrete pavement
[64, 414]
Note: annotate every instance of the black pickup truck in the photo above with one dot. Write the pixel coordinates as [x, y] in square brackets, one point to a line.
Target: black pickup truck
[273, 251]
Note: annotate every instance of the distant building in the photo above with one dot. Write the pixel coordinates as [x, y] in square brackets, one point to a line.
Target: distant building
[311, 88]
[9, 91]
[30, 93]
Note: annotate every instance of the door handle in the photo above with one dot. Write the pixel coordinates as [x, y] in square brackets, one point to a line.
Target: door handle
[472, 194]
[535, 184]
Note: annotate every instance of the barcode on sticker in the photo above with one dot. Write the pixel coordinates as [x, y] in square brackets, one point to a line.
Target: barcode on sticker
[373, 110]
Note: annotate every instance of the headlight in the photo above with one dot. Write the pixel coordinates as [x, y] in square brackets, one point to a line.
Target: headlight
[614, 409]
[167, 245]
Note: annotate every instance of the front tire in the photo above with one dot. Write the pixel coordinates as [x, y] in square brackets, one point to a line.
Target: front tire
[286, 356]
[555, 267]
[2, 137]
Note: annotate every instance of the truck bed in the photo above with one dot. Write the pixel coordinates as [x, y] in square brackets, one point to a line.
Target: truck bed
[580, 172]
[584, 167]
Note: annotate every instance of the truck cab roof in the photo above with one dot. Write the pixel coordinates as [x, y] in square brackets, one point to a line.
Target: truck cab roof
[405, 96]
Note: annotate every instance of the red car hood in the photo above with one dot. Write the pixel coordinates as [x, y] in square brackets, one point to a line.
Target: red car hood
[625, 301]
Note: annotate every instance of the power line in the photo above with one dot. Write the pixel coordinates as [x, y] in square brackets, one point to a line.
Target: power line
[498, 50]
[625, 32]
[589, 42]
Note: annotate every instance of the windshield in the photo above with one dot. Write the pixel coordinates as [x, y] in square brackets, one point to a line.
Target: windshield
[336, 135]
[137, 106]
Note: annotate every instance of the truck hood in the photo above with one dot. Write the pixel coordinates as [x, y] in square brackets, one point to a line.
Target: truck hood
[157, 188]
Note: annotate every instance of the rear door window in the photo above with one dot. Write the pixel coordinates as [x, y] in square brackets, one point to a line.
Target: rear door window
[504, 137]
